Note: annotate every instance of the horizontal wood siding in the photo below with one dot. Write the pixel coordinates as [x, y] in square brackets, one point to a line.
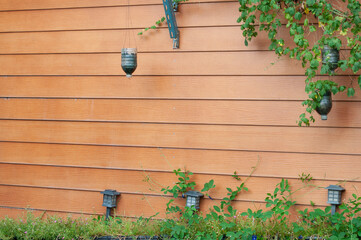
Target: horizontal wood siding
[269, 164]
[72, 125]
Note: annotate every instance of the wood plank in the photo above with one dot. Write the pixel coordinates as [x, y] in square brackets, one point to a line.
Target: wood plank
[192, 39]
[285, 165]
[112, 41]
[20, 213]
[188, 63]
[255, 138]
[115, 17]
[6, 5]
[127, 205]
[142, 182]
[344, 114]
[170, 63]
[166, 87]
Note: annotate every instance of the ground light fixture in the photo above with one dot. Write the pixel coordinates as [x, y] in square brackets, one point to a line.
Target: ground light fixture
[334, 196]
[193, 199]
[109, 200]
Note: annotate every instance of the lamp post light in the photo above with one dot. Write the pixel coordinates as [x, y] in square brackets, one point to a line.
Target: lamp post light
[193, 199]
[334, 196]
[109, 200]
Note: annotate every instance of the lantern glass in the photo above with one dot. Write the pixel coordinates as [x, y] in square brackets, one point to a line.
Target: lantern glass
[108, 201]
[334, 197]
[192, 201]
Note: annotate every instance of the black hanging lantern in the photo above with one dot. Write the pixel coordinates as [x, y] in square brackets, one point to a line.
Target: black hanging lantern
[325, 105]
[109, 200]
[129, 61]
[330, 57]
[334, 196]
[193, 199]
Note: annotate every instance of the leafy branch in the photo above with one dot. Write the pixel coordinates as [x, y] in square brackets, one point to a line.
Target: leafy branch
[267, 16]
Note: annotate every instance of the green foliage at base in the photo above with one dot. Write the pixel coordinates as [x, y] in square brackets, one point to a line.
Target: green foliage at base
[222, 220]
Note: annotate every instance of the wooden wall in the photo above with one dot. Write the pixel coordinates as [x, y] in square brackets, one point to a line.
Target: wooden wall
[72, 125]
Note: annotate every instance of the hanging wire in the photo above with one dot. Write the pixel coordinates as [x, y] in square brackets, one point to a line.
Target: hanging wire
[126, 26]
[129, 31]
[132, 30]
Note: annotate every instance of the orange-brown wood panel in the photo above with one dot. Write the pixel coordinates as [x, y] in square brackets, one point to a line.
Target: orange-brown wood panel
[285, 165]
[172, 87]
[175, 111]
[142, 182]
[255, 138]
[193, 39]
[46, 4]
[186, 63]
[21, 213]
[51, 199]
[115, 17]
[128, 205]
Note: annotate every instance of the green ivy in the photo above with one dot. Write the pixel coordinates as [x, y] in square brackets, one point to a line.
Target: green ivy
[302, 17]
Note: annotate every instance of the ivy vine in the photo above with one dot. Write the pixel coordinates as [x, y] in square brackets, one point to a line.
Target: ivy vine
[302, 17]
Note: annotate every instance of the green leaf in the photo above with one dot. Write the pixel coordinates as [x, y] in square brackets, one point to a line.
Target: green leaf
[310, 2]
[350, 92]
[312, 29]
[314, 64]
[305, 23]
[291, 11]
[298, 16]
[217, 208]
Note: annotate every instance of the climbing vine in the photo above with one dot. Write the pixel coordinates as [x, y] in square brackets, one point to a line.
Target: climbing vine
[301, 18]
[340, 24]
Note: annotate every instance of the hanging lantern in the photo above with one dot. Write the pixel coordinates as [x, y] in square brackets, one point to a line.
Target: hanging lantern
[325, 105]
[330, 56]
[129, 61]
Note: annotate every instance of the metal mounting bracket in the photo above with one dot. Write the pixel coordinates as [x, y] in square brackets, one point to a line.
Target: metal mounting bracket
[169, 8]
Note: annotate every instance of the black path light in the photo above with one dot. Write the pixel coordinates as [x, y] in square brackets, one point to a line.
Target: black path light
[334, 196]
[109, 200]
[193, 199]
[325, 105]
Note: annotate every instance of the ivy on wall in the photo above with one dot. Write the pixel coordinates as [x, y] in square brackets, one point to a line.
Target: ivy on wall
[302, 18]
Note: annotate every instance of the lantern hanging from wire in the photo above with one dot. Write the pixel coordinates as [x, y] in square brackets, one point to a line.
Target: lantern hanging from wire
[129, 55]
